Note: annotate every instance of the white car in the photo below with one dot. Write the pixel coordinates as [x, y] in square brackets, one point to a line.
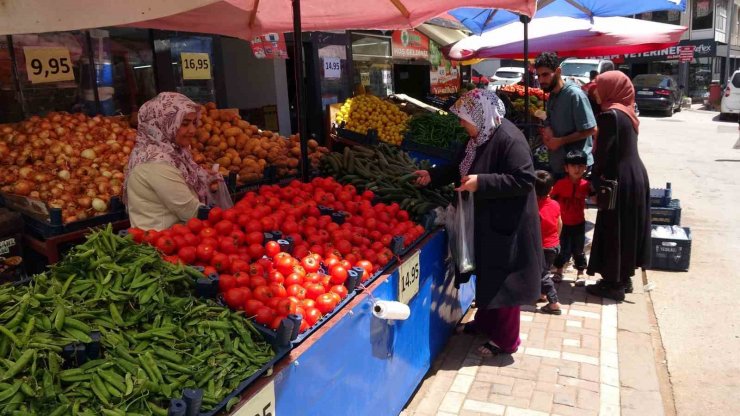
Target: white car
[507, 75]
[731, 98]
[578, 70]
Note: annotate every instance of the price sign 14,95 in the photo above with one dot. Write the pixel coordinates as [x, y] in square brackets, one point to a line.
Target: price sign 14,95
[409, 274]
[48, 64]
[262, 404]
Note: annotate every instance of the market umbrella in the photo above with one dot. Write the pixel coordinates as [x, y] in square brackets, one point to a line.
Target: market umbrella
[571, 37]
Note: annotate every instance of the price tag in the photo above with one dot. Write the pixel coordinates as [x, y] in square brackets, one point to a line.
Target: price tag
[332, 67]
[365, 78]
[262, 404]
[48, 64]
[195, 65]
[409, 273]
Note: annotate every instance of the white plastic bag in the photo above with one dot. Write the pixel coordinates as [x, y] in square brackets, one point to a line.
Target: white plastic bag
[460, 226]
[220, 197]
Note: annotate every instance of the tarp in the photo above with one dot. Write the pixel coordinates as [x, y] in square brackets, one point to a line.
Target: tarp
[481, 20]
[569, 37]
[240, 18]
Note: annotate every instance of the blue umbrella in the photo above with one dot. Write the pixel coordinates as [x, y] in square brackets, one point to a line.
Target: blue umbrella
[481, 20]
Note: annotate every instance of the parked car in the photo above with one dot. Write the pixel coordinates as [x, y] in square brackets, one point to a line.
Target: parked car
[731, 99]
[657, 93]
[579, 70]
[507, 76]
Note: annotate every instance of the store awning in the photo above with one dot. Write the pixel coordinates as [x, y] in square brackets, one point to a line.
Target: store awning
[570, 37]
[240, 18]
[442, 35]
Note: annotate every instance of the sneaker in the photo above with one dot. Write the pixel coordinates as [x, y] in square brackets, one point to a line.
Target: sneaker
[604, 291]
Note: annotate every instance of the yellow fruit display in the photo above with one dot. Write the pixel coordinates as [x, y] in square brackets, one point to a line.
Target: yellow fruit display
[365, 112]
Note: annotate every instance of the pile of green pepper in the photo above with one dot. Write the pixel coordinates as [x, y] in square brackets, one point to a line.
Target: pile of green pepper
[155, 338]
[438, 130]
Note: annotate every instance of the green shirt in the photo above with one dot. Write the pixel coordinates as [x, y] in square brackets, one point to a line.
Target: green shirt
[569, 111]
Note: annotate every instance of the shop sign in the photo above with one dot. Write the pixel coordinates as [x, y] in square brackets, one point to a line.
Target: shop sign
[702, 49]
[409, 274]
[195, 65]
[262, 404]
[444, 76]
[270, 46]
[409, 44]
[48, 64]
[332, 67]
[686, 53]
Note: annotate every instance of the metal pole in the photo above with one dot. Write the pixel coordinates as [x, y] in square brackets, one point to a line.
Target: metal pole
[16, 77]
[300, 102]
[731, 11]
[526, 20]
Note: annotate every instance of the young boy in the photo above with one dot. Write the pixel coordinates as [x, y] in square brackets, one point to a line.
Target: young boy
[550, 224]
[571, 193]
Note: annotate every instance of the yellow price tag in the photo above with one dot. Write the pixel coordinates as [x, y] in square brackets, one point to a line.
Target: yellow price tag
[195, 65]
[262, 404]
[48, 64]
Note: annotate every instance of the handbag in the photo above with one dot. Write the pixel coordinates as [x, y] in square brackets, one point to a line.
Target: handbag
[606, 194]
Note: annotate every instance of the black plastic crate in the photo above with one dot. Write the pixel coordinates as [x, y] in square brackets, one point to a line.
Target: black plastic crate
[670, 215]
[661, 197]
[369, 139]
[670, 253]
[449, 153]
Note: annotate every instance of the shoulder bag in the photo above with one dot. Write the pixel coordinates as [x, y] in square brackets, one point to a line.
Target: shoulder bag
[606, 194]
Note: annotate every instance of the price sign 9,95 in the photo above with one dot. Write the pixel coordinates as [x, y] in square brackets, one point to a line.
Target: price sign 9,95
[48, 64]
[409, 274]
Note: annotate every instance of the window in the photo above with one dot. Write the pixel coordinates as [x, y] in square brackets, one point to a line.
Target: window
[129, 52]
[10, 107]
[702, 14]
[509, 74]
[372, 63]
[671, 17]
[736, 80]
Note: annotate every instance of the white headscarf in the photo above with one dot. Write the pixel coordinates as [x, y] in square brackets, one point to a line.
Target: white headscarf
[484, 110]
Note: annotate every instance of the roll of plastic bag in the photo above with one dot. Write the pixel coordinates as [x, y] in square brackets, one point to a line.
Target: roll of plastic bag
[385, 309]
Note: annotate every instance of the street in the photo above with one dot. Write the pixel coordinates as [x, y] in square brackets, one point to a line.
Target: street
[697, 311]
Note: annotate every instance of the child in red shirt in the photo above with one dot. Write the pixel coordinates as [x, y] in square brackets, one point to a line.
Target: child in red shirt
[550, 226]
[571, 193]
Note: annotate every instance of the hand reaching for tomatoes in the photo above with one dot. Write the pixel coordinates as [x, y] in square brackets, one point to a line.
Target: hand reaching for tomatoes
[423, 178]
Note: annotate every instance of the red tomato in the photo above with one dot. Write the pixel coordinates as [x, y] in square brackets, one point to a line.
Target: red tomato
[187, 254]
[335, 296]
[191, 239]
[325, 303]
[346, 264]
[300, 251]
[195, 225]
[257, 281]
[273, 303]
[236, 297]
[304, 326]
[215, 215]
[272, 248]
[242, 279]
[312, 278]
[256, 251]
[223, 227]
[251, 306]
[204, 252]
[265, 265]
[314, 290]
[338, 274]
[262, 294]
[331, 262]
[285, 265]
[209, 270]
[268, 224]
[310, 264]
[240, 266]
[207, 232]
[340, 290]
[383, 259]
[366, 265]
[308, 303]
[312, 316]
[275, 324]
[179, 229]
[297, 291]
[265, 316]
[226, 245]
[151, 236]
[402, 215]
[294, 279]
[287, 306]
[278, 290]
[221, 262]
[275, 277]
[136, 234]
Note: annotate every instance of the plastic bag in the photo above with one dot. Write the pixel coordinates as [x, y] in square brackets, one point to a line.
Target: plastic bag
[221, 197]
[461, 227]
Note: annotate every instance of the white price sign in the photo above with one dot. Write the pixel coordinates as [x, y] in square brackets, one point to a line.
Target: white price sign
[409, 273]
[332, 67]
[262, 404]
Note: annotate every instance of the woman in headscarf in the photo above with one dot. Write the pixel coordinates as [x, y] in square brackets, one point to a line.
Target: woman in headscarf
[163, 183]
[496, 169]
[621, 241]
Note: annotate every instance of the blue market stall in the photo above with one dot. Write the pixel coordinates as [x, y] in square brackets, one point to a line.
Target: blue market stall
[357, 364]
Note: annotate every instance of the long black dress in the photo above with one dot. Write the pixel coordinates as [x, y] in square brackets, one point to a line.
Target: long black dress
[621, 241]
[508, 247]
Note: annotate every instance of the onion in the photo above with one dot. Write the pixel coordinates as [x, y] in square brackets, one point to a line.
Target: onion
[34, 195]
[88, 154]
[115, 189]
[63, 174]
[84, 201]
[22, 187]
[99, 205]
[25, 171]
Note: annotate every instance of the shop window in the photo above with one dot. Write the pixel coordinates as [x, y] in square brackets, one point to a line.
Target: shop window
[10, 106]
[671, 17]
[702, 14]
[372, 63]
[189, 60]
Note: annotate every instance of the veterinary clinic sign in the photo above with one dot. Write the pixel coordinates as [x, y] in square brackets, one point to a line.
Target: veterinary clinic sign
[410, 44]
[701, 49]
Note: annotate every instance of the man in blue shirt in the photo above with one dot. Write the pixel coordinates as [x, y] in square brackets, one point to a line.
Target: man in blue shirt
[570, 122]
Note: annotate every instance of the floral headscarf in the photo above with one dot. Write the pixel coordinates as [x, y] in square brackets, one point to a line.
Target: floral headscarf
[483, 109]
[159, 120]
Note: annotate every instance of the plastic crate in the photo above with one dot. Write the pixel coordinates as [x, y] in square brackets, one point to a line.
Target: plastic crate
[449, 153]
[670, 253]
[661, 197]
[369, 139]
[670, 215]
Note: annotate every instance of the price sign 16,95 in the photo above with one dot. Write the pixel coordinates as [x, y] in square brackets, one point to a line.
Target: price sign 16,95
[48, 64]
[195, 65]
[262, 404]
[409, 273]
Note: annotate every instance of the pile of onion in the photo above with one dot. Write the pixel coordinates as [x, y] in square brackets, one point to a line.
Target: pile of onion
[69, 161]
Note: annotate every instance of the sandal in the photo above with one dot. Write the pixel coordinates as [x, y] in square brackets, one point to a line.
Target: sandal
[489, 349]
[548, 310]
[466, 328]
[557, 277]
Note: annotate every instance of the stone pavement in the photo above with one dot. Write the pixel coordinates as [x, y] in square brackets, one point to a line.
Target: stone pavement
[594, 359]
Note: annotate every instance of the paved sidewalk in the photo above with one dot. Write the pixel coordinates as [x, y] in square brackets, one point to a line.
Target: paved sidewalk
[567, 365]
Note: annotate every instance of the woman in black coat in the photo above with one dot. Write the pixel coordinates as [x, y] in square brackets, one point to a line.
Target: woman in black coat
[497, 169]
[622, 235]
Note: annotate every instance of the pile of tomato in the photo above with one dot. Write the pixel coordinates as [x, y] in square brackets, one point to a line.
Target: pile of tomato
[257, 276]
